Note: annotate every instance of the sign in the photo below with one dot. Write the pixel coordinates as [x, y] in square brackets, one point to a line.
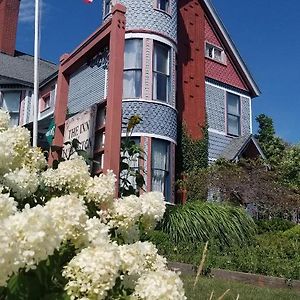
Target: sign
[50, 132]
[82, 128]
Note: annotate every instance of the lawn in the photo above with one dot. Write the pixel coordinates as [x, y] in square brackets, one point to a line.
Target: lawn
[205, 286]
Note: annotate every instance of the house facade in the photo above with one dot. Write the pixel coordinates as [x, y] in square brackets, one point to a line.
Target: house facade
[170, 62]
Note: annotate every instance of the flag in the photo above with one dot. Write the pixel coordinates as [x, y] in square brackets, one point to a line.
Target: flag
[88, 1]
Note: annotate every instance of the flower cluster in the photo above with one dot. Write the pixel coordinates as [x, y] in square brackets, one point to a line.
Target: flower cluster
[4, 120]
[93, 272]
[69, 217]
[21, 182]
[100, 190]
[26, 238]
[140, 257]
[70, 176]
[35, 160]
[159, 285]
[8, 206]
[14, 144]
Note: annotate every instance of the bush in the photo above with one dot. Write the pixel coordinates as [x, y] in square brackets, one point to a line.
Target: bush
[273, 225]
[200, 222]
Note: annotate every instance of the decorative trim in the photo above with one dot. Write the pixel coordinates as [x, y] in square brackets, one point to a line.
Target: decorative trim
[152, 135]
[151, 35]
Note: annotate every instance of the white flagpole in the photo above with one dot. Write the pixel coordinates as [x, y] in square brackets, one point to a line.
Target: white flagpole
[36, 73]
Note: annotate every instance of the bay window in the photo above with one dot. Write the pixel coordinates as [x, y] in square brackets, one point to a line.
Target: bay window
[233, 114]
[161, 72]
[161, 166]
[132, 76]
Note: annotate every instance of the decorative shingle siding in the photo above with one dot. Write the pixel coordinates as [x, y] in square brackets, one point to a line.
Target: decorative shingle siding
[245, 115]
[141, 15]
[215, 107]
[217, 144]
[222, 72]
[87, 86]
[158, 119]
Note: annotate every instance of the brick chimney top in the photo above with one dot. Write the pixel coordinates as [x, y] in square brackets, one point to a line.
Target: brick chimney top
[9, 13]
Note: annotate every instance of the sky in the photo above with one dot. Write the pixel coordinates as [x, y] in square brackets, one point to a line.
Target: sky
[265, 33]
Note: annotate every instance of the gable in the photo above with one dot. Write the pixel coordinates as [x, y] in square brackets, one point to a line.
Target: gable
[226, 73]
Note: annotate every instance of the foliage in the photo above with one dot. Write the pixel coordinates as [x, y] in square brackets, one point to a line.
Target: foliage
[64, 236]
[273, 225]
[272, 253]
[272, 146]
[246, 182]
[192, 153]
[131, 174]
[199, 221]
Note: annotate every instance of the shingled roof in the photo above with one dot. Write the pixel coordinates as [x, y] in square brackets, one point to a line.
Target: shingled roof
[239, 146]
[20, 68]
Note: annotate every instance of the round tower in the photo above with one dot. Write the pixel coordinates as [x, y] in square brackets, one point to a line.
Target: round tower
[149, 85]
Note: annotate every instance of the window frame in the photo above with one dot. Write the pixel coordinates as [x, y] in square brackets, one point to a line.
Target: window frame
[107, 4]
[167, 171]
[157, 4]
[140, 69]
[214, 47]
[168, 76]
[238, 116]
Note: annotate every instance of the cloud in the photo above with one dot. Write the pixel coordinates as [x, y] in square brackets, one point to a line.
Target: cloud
[26, 14]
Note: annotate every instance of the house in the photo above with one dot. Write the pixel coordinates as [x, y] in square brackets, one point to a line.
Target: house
[16, 72]
[171, 62]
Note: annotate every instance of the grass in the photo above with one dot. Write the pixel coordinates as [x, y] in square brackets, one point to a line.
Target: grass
[205, 286]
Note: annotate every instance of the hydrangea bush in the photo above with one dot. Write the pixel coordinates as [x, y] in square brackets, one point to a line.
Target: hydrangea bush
[65, 231]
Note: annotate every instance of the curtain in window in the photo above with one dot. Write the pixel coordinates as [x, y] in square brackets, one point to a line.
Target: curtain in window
[160, 166]
[132, 79]
[11, 103]
[161, 72]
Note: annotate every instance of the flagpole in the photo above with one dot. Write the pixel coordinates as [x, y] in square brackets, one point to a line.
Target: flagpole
[36, 74]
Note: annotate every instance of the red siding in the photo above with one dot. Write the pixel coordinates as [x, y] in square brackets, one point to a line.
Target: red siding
[223, 73]
[190, 76]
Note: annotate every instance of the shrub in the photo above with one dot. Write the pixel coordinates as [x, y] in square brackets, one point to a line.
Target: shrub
[273, 225]
[199, 222]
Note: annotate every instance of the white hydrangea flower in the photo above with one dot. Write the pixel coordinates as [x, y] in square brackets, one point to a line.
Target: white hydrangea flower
[8, 206]
[92, 272]
[71, 176]
[35, 159]
[26, 238]
[69, 216]
[159, 285]
[95, 233]
[21, 182]
[14, 145]
[125, 212]
[101, 189]
[140, 257]
[153, 208]
[4, 120]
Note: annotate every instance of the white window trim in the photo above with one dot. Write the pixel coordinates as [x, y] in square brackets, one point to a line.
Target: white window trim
[223, 55]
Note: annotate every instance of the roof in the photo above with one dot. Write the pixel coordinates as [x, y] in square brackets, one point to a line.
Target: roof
[19, 68]
[238, 146]
[224, 35]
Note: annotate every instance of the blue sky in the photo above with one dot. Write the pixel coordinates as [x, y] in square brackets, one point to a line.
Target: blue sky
[265, 32]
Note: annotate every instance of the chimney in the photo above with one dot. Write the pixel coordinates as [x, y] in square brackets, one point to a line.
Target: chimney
[9, 12]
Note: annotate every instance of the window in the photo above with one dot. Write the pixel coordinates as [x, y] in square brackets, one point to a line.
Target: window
[107, 5]
[11, 102]
[233, 114]
[214, 53]
[46, 102]
[160, 167]
[132, 78]
[163, 5]
[161, 72]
